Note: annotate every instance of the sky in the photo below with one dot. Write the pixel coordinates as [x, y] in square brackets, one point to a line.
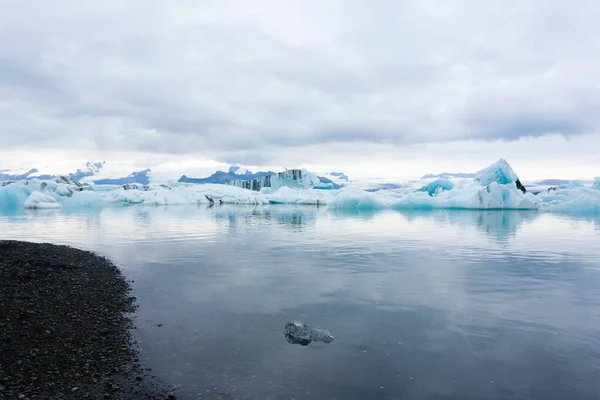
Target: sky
[386, 88]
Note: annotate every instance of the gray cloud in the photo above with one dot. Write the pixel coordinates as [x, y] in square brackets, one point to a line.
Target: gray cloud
[228, 79]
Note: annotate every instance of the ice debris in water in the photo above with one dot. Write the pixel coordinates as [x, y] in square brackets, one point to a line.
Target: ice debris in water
[298, 333]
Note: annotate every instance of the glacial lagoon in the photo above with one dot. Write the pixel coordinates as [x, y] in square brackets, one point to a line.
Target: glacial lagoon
[423, 305]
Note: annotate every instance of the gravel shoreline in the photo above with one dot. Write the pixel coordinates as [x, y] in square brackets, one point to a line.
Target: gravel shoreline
[65, 320]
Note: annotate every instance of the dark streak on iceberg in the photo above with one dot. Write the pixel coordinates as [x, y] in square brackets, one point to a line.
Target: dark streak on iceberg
[290, 178]
[500, 172]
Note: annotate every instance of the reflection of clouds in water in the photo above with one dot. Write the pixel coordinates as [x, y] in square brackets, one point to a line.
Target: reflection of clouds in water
[331, 259]
[488, 287]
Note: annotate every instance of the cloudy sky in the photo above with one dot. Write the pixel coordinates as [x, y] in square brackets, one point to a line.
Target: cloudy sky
[390, 87]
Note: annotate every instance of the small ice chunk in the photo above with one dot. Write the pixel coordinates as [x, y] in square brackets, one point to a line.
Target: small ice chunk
[298, 333]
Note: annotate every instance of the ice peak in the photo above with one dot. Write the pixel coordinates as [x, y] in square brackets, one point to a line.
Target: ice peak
[500, 172]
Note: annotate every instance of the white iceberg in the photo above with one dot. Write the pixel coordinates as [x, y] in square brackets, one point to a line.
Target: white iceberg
[472, 196]
[41, 200]
[437, 186]
[573, 200]
[500, 172]
[63, 190]
[495, 187]
[294, 178]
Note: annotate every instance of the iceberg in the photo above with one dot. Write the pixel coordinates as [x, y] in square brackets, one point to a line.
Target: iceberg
[326, 183]
[499, 172]
[296, 178]
[41, 200]
[356, 199]
[471, 197]
[571, 200]
[495, 187]
[63, 190]
[437, 186]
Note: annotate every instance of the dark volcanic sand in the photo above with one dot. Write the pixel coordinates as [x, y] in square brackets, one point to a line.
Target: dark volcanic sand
[64, 327]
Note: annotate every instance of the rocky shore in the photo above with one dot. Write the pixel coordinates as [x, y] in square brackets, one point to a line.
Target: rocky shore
[65, 320]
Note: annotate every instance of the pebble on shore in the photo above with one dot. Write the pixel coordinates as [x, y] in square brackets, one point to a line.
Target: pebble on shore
[65, 324]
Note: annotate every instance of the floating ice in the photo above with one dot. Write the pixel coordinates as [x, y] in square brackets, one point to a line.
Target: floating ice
[472, 196]
[295, 178]
[41, 200]
[575, 200]
[437, 186]
[296, 332]
[499, 172]
[349, 199]
[576, 184]
[64, 190]
[495, 187]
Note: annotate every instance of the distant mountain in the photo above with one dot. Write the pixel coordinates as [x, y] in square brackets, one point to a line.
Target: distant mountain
[449, 175]
[91, 168]
[385, 186]
[225, 177]
[135, 177]
[340, 175]
[8, 176]
[553, 182]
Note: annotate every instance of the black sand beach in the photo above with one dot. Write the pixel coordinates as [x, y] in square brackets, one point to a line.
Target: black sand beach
[65, 319]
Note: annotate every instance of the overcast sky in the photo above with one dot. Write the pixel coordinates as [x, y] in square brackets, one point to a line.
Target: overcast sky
[409, 87]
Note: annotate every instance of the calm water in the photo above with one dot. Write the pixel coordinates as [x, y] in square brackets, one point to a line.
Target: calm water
[434, 305]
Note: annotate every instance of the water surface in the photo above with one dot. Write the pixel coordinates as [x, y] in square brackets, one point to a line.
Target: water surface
[429, 305]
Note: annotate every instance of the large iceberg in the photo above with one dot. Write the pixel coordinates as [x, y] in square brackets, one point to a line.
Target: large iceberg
[499, 172]
[570, 200]
[596, 184]
[296, 178]
[495, 187]
[494, 196]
